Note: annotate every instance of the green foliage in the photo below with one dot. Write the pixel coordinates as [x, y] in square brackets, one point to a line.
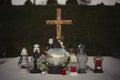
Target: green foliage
[5, 2]
[94, 26]
[71, 2]
[52, 2]
[28, 2]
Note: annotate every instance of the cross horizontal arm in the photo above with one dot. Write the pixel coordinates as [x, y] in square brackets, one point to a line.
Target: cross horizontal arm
[66, 22]
[51, 22]
[59, 22]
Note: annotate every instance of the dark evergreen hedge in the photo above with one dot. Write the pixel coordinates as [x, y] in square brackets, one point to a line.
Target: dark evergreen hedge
[94, 26]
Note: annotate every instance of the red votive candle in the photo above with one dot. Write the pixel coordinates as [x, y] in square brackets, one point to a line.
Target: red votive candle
[63, 72]
[73, 68]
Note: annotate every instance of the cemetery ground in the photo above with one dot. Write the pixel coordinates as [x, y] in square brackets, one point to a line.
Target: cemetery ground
[9, 71]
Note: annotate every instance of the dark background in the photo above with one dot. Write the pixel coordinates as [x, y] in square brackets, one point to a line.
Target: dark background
[94, 26]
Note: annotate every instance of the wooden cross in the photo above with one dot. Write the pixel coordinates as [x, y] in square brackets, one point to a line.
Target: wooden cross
[58, 23]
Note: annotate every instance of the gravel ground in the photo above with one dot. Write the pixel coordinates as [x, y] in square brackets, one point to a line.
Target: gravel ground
[9, 71]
